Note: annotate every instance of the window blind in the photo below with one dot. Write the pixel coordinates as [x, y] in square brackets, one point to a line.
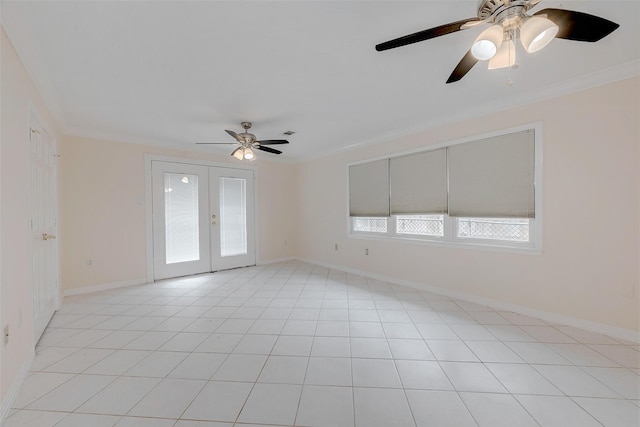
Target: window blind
[369, 189]
[233, 216]
[493, 177]
[182, 235]
[419, 183]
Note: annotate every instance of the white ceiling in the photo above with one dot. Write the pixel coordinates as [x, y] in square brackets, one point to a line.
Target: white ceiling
[179, 72]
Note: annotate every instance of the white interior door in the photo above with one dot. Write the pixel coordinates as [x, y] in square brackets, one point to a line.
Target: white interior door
[231, 195]
[44, 248]
[180, 219]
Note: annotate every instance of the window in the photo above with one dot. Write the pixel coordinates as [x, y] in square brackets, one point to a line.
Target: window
[484, 192]
[370, 225]
[420, 225]
[510, 229]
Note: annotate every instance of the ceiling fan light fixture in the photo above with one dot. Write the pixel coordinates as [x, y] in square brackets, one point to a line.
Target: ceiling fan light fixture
[537, 32]
[248, 154]
[238, 154]
[488, 43]
[505, 57]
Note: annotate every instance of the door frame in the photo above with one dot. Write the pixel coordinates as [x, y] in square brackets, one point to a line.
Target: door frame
[148, 182]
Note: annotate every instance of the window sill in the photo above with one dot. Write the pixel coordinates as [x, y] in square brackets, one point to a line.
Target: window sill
[523, 250]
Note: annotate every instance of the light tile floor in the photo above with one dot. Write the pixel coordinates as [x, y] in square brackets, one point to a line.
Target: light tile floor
[297, 344]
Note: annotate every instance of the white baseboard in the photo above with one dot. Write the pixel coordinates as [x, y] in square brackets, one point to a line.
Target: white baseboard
[103, 287]
[601, 328]
[276, 260]
[10, 398]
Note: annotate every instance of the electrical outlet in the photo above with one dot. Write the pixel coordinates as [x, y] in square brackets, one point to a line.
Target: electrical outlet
[336, 247]
[6, 335]
[366, 251]
[90, 262]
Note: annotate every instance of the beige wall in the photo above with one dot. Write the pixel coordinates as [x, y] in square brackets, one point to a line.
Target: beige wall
[589, 267]
[102, 210]
[18, 95]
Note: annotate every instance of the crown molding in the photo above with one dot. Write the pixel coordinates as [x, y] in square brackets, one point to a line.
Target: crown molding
[587, 81]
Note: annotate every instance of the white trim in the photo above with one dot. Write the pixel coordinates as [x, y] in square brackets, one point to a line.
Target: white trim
[187, 160]
[496, 105]
[536, 126]
[256, 215]
[148, 206]
[104, 287]
[276, 260]
[486, 245]
[165, 143]
[15, 387]
[600, 328]
[575, 84]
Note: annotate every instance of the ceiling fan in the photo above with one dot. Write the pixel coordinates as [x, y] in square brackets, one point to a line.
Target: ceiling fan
[248, 142]
[511, 21]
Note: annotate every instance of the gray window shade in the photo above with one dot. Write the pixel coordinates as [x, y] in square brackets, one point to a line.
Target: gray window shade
[493, 177]
[369, 189]
[419, 183]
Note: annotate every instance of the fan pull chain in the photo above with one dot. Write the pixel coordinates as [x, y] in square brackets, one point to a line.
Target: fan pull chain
[511, 37]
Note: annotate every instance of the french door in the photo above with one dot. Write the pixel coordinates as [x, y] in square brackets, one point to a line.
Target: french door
[43, 206]
[203, 218]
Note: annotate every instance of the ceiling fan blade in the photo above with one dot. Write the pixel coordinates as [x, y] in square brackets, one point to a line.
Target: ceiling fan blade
[579, 26]
[424, 35]
[235, 135]
[470, 24]
[217, 143]
[268, 149]
[272, 141]
[466, 63]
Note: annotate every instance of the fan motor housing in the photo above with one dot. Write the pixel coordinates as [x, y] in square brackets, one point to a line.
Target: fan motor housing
[503, 10]
[249, 138]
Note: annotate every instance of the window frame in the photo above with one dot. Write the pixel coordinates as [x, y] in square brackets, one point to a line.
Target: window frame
[450, 224]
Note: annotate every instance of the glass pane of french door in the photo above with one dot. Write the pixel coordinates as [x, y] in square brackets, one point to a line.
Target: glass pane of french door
[233, 216]
[232, 207]
[181, 215]
[180, 219]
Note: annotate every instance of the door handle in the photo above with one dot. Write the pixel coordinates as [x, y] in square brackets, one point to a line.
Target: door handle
[46, 236]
